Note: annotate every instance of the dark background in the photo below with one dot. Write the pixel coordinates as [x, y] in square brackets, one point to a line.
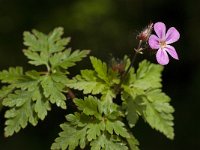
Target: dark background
[109, 26]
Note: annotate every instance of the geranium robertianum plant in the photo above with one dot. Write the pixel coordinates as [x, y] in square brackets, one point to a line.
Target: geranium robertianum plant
[100, 120]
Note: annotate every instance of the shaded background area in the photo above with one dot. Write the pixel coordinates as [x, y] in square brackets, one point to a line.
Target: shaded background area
[109, 26]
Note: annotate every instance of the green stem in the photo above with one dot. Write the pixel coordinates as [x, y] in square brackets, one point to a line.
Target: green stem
[134, 58]
[123, 77]
[48, 68]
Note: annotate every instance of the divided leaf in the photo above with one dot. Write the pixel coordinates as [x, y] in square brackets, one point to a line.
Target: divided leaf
[98, 122]
[42, 105]
[133, 143]
[28, 95]
[53, 91]
[118, 127]
[100, 130]
[5, 90]
[16, 99]
[143, 97]
[158, 112]
[131, 112]
[89, 106]
[56, 43]
[35, 43]
[70, 138]
[36, 58]
[94, 130]
[97, 81]
[12, 75]
[19, 116]
[100, 68]
[67, 58]
[148, 76]
[104, 142]
[88, 82]
[49, 50]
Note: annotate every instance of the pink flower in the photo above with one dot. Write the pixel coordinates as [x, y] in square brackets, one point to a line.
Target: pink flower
[162, 41]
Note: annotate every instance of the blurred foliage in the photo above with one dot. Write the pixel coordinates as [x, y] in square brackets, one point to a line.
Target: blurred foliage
[110, 26]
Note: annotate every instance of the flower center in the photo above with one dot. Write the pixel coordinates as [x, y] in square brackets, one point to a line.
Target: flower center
[162, 44]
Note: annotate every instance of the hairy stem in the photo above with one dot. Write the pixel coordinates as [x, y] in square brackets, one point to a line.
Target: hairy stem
[71, 93]
[124, 75]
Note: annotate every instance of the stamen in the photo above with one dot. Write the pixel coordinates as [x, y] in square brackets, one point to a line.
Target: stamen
[162, 44]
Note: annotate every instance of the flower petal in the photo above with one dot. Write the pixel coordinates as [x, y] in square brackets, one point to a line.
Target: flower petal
[162, 57]
[154, 42]
[172, 35]
[171, 50]
[160, 30]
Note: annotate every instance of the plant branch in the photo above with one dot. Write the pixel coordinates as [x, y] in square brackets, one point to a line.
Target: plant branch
[124, 75]
[70, 93]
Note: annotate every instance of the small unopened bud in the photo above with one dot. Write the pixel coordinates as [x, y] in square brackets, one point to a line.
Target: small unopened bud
[118, 66]
[146, 32]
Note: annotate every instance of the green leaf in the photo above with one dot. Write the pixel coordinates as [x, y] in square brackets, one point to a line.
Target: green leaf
[29, 95]
[109, 109]
[132, 91]
[27, 82]
[89, 106]
[131, 112]
[38, 47]
[158, 112]
[5, 90]
[12, 75]
[148, 76]
[133, 143]
[77, 55]
[56, 43]
[42, 40]
[59, 78]
[101, 68]
[70, 138]
[53, 91]
[16, 99]
[36, 58]
[104, 142]
[88, 82]
[56, 34]
[133, 106]
[44, 49]
[99, 144]
[118, 127]
[67, 58]
[77, 119]
[42, 104]
[93, 126]
[94, 130]
[31, 41]
[111, 145]
[108, 94]
[32, 74]
[19, 116]
[98, 81]
[131, 77]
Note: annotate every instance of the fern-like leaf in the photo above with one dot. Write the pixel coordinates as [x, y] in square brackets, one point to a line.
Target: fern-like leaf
[158, 112]
[70, 138]
[53, 91]
[19, 116]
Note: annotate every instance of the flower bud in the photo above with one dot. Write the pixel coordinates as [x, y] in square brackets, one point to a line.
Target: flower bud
[118, 66]
[145, 34]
